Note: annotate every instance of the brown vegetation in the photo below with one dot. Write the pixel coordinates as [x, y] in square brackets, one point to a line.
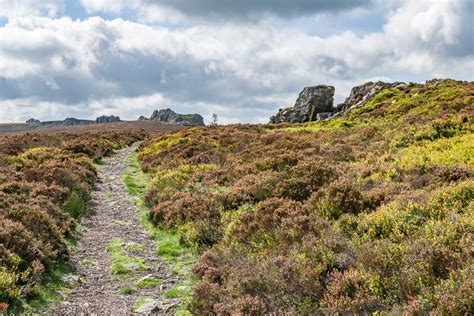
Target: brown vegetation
[368, 212]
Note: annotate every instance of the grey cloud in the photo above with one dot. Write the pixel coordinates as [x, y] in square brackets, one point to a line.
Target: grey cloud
[251, 9]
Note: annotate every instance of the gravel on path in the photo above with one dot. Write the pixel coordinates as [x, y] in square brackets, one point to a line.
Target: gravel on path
[114, 216]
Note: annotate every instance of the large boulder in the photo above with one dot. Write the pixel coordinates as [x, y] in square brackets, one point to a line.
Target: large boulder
[310, 103]
[107, 119]
[362, 93]
[170, 117]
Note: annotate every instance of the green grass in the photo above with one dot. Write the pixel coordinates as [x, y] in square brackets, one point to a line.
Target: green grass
[88, 263]
[168, 245]
[122, 263]
[180, 291]
[126, 290]
[119, 223]
[49, 292]
[77, 203]
[167, 242]
[148, 282]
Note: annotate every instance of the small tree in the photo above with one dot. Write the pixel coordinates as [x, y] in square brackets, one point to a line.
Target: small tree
[214, 120]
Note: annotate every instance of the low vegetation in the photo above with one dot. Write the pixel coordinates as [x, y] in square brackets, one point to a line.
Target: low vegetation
[368, 212]
[45, 181]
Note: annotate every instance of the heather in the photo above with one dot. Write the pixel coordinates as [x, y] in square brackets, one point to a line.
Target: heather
[367, 212]
[45, 182]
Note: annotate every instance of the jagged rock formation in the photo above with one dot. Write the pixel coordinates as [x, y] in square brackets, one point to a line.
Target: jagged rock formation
[170, 117]
[316, 103]
[107, 119]
[362, 93]
[33, 121]
[311, 102]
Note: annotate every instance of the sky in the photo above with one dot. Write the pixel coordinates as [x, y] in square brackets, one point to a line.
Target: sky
[242, 60]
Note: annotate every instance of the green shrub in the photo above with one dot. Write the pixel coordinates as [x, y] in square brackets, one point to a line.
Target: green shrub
[340, 197]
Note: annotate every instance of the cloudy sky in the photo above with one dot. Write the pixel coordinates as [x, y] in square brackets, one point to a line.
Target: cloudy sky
[239, 59]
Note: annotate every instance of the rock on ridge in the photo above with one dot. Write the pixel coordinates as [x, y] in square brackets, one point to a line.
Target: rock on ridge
[107, 119]
[362, 93]
[316, 103]
[311, 102]
[170, 117]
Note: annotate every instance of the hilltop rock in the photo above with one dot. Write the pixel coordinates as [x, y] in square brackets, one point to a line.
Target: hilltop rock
[170, 117]
[362, 93]
[143, 118]
[33, 121]
[311, 102]
[107, 119]
[71, 121]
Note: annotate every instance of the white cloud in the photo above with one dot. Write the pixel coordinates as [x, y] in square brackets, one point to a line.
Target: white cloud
[61, 67]
[18, 8]
[111, 6]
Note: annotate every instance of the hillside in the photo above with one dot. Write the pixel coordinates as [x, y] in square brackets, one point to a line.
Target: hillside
[368, 211]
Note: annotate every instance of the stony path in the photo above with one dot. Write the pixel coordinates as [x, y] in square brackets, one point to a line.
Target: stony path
[114, 219]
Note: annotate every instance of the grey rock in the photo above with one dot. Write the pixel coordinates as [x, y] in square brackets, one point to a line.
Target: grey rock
[170, 117]
[149, 307]
[71, 279]
[323, 115]
[107, 119]
[33, 121]
[310, 102]
[132, 266]
[71, 121]
[143, 118]
[362, 93]
[145, 278]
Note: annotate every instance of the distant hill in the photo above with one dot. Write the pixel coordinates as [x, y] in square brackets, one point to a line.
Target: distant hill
[71, 121]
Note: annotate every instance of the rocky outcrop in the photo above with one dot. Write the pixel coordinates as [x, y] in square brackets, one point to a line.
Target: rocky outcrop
[311, 102]
[33, 121]
[143, 118]
[168, 116]
[71, 121]
[363, 93]
[316, 103]
[107, 119]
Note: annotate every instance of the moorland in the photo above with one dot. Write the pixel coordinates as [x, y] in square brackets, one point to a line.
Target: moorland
[369, 211]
